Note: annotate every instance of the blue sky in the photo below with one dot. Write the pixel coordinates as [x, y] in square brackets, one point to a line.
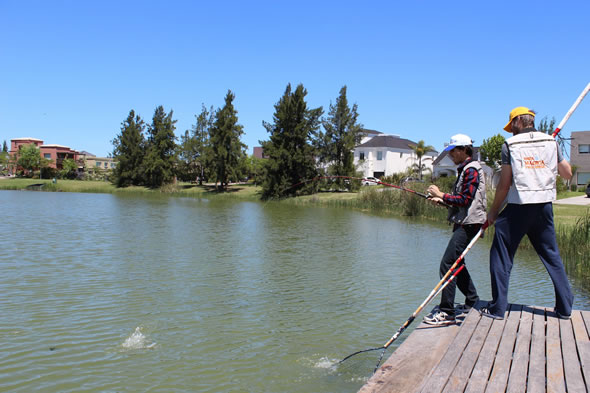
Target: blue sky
[70, 71]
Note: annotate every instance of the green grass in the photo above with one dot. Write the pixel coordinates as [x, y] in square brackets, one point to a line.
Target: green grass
[238, 191]
[569, 194]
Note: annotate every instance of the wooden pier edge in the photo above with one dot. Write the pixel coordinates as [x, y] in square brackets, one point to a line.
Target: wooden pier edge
[531, 350]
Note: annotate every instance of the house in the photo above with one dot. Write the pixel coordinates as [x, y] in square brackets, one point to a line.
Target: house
[580, 157]
[91, 162]
[258, 152]
[443, 166]
[381, 155]
[56, 154]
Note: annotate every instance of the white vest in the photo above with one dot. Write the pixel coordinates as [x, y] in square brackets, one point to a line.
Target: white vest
[475, 213]
[533, 157]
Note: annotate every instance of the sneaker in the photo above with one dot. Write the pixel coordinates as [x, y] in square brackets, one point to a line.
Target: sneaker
[485, 312]
[440, 318]
[463, 309]
[560, 315]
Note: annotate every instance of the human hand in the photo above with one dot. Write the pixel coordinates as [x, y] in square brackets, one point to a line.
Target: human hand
[434, 191]
[435, 200]
[492, 216]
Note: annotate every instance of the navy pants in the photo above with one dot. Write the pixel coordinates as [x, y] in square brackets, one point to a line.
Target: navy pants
[462, 235]
[535, 221]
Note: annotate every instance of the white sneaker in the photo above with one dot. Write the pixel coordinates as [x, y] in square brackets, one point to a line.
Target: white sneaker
[440, 318]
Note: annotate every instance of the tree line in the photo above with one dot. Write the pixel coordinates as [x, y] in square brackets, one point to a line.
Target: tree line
[302, 144]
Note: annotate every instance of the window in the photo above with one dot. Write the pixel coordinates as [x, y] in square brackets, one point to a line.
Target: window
[583, 178]
[361, 155]
[379, 155]
[584, 149]
[98, 164]
[106, 165]
[47, 155]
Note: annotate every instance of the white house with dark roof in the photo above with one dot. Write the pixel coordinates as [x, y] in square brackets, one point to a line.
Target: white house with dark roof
[443, 166]
[381, 155]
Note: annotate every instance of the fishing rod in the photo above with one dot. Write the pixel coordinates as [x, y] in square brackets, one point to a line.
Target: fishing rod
[420, 194]
[446, 280]
[572, 109]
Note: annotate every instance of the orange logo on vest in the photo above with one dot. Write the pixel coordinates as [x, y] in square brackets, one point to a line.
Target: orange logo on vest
[532, 163]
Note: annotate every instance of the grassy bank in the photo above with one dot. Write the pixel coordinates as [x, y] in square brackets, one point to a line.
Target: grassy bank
[238, 191]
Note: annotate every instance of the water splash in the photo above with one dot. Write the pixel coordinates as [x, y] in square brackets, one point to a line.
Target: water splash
[137, 340]
[326, 363]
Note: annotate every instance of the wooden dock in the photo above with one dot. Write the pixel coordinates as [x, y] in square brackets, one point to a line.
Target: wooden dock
[530, 350]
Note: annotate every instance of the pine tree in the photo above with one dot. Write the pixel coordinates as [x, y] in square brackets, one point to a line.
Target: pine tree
[129, 151]
[159, 162]
[195, 146]
[342, 134]
[227, 150]
[4, 147]
[291, 156]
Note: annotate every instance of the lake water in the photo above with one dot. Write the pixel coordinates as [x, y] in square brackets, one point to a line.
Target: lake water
[110, 293]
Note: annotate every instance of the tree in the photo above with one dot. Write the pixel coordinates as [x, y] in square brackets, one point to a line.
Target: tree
[4, 159]
[4, 147]
[129, 151]
[29, 158]
[69, 168]
[342, 133]
[491, 151]
[255, 167]
[420, 149]
[160, 160]
[227, 150]
[194, 147]
[291, 156]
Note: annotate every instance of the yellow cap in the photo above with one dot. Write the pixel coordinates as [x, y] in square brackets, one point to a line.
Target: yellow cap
[519, 110]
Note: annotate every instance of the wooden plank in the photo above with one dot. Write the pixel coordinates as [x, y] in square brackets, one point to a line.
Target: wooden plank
[536, 381]
[438, 379]
[460, 376]
[501, 368]
[586, 318]
[413, 361]
[517, 380]
[582, 343]
[571, 364]
[555, 376]
[483, 366]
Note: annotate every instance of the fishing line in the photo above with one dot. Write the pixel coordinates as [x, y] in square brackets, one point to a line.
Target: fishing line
[435, 291]
[420, 194]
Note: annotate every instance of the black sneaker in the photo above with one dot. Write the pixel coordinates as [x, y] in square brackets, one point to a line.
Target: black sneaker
[485, 312]
[440, 318]
[561, 316]
[463, 309]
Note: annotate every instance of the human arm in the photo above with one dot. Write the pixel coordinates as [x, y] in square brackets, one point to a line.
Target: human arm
[501, 193]
[564, 169]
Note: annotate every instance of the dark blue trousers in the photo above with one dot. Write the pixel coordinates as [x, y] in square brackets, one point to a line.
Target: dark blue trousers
[462, 235]
[535, 221]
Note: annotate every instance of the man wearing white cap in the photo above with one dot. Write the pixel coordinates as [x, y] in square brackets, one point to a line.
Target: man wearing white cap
[531, 161]
[467, 214]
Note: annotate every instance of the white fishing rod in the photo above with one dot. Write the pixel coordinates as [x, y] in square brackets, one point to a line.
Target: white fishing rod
[572, 109]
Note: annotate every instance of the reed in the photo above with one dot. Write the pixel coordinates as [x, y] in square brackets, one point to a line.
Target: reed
[574, 247]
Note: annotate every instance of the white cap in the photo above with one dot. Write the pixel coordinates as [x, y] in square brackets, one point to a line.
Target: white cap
[459, 140]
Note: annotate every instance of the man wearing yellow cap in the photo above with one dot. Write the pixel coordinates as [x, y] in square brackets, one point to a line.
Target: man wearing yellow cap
[531, 161]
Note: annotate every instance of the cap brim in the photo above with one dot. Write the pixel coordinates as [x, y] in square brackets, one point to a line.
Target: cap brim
[508, 127]
[449, 147]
